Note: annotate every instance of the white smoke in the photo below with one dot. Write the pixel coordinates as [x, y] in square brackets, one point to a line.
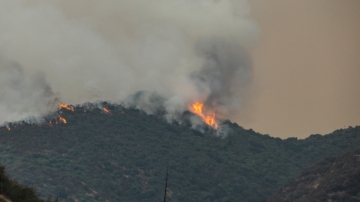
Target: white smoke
[108, 50]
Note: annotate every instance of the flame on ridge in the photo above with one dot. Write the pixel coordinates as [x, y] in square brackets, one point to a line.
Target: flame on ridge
[106, 110]
[65, 106]
[62, 119]
[197, 108]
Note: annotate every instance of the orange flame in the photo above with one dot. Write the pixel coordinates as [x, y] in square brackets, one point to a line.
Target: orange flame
[106, 110]
[65, 106]
[197, 107]
[62, 119]
[8, 127]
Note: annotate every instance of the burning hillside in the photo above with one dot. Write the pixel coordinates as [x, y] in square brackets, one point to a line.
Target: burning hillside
[59, 117]
[152, 46]
[126, 151]
[208, 117]
[65, 106]
[197, 108]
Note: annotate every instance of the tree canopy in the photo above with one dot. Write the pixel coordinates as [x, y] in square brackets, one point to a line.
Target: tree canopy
[123, 155]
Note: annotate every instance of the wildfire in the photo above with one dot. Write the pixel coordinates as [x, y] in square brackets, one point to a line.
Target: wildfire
[197, 107]
[106, 110]
[62, 119]
[65, 106]
[8, 127]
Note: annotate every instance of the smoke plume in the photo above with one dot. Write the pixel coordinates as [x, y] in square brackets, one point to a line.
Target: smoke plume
[23, 96]
[225, 70]
[184, 50]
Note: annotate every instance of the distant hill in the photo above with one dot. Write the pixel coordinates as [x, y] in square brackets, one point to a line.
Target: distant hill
[122, 156]
[333, 179]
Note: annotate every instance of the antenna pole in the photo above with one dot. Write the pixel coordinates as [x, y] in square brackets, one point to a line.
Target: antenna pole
[167, 170]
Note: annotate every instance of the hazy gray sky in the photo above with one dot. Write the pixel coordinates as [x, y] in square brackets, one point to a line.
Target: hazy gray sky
[307, 67]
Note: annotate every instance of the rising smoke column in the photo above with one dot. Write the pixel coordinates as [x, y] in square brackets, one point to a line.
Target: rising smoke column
[225, 71]
[108, 50]
[23, 96]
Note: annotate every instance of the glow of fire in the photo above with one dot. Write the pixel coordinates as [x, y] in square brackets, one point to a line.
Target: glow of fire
[62, 119]
[65, 106]
[8, 127]
[197, 108]
[106, 110]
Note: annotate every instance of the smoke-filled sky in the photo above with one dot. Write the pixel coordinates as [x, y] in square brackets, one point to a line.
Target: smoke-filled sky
[287, 68]
[84, 51]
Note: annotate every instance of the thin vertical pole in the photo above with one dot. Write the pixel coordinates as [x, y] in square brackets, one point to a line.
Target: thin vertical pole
[167, 170]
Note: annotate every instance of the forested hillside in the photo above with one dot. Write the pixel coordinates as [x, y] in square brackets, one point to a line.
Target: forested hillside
[332, 179]
[122, 155]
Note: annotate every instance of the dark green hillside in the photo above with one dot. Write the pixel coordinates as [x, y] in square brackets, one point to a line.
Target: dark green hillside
[123, 157]
[332, 179]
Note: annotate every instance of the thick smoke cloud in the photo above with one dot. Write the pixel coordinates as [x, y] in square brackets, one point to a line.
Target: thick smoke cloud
[108, 50]
[225, 71]
[23, 96]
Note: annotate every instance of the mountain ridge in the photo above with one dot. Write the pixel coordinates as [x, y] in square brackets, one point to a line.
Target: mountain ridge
[122, 156]
[331, 179]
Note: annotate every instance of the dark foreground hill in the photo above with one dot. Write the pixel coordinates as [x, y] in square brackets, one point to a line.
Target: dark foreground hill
[12, 191]
[333, 179]
[123, 156]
